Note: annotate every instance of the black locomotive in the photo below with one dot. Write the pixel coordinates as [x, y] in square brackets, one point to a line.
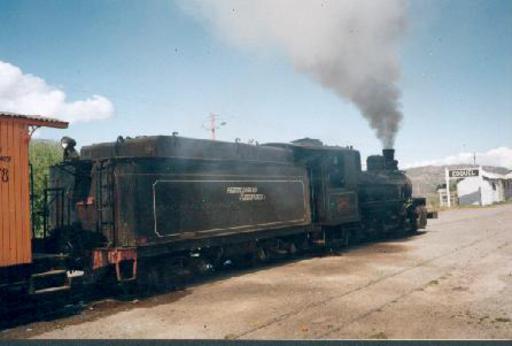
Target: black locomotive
[149, 208]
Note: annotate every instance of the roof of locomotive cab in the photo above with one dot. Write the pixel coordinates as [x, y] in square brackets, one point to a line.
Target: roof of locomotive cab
[308, 151]
[310, 147]
[184, 148]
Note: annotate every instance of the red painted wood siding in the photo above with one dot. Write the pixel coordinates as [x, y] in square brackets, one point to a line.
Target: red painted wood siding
[15, 233]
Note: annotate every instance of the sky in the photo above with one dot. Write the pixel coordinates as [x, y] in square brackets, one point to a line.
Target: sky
[150, 67]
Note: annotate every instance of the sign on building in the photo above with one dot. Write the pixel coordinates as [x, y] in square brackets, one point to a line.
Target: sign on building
[458, 173]
[463, 173]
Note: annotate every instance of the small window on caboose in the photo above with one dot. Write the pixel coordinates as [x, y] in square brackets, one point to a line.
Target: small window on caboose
[336, 173]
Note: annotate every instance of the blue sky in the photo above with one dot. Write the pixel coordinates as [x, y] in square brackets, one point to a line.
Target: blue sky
[164, 71]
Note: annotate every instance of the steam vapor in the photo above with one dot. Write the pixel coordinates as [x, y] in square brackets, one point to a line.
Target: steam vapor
[348, 46]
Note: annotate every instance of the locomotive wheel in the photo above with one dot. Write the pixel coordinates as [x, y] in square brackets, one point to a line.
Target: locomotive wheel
[292, 249]
[356, 237]
[128, 289]
[154, 279]
[151, 276]
[201, 266]
[177, 271]
[261, 255]
[215, 257]
[346, 238]
[304, 245]
[412, 224]
[148, 280]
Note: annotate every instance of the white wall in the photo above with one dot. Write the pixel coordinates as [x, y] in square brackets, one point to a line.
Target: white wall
[488, 194]
[468, 191]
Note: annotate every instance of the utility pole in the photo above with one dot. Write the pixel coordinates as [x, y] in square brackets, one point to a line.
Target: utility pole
[212, 126]
[448, 194]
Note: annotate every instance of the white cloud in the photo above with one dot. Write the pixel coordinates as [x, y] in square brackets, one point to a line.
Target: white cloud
[28, 94]
[500, 157]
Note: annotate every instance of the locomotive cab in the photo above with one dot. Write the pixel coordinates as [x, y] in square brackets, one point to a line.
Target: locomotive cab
[338, 171]
[334, 175]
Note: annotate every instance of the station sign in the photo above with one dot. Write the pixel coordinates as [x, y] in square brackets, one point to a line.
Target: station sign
[463, 173]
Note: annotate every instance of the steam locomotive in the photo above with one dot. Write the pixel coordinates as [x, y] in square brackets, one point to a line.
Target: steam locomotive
[149, 209]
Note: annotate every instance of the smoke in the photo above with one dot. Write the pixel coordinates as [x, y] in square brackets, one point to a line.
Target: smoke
[348, 46]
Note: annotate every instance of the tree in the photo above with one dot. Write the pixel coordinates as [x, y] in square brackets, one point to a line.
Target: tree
[43, 154]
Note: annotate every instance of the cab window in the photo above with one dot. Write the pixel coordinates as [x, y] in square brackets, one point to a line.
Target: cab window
[336, 172]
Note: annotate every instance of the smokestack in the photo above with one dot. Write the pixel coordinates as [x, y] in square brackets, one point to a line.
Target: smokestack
[389, 159]
[389, 154]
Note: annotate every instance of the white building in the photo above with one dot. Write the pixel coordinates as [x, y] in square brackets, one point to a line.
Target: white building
[484, 189]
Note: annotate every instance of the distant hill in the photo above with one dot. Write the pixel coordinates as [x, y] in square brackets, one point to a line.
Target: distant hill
[426, 179]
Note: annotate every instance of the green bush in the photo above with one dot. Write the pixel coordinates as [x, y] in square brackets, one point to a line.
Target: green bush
[43, 154]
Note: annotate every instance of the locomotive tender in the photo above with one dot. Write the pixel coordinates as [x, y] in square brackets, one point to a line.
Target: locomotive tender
[146, 208]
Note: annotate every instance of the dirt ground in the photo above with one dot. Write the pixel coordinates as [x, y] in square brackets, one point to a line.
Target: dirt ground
[453, 281]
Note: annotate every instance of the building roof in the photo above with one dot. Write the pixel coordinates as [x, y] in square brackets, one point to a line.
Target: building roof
[35, 120]
[491, 175]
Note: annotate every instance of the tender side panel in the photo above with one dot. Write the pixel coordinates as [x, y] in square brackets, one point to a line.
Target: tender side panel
[15, 240]
[162, 202]
[212, 205]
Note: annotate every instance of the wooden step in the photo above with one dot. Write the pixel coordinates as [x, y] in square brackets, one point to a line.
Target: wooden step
[318, 241]
[53, 272]
[50, 290]
[45, 262]
[48, 256]
[12, 284]
[48, 279]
